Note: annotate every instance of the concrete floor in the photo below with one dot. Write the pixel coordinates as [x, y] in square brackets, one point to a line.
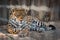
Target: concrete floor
[33, 36]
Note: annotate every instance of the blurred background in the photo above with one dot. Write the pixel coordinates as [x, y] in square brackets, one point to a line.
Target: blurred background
[41, 7]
